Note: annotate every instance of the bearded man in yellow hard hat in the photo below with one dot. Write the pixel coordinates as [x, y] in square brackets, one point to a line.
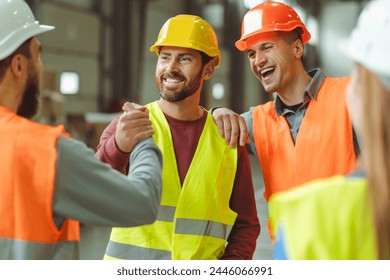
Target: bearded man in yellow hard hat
[208, 208]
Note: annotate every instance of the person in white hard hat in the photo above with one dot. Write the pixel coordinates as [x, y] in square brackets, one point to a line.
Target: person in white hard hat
[49, 182]
[348, 217]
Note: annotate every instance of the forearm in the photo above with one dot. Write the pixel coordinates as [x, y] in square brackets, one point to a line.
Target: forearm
[242, 240]
[93, 193]
[251, 147]
[108, 152]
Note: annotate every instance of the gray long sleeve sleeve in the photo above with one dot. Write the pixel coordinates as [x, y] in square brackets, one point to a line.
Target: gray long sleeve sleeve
[92, 192]
[251, 148]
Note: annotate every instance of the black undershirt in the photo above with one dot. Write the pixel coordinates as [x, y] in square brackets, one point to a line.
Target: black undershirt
[293, 107]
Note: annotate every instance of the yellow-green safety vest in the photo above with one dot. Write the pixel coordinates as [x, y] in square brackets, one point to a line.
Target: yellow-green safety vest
[195, 219]
[328, 219]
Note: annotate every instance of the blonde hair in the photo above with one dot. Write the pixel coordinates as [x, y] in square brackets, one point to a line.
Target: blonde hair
[376, 154]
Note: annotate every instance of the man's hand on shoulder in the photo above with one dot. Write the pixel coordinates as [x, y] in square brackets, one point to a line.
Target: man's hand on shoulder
[231, 126]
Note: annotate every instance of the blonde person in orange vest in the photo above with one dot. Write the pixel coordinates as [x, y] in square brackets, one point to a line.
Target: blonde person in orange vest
[49, 182]
[306, 132]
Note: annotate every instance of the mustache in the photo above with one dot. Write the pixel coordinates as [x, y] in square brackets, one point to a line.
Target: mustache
[172, 75]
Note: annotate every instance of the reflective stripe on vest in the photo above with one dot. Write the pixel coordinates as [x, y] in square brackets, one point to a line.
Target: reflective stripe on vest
[202, 228]
[25, 250]
[166, 213]
[28, 166]
[116, 250]
[123, 251]
[195, 219]
[328, 219]
[323, 147]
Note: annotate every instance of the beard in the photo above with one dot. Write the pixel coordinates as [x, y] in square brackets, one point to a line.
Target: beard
[189, 88]
[30, 102]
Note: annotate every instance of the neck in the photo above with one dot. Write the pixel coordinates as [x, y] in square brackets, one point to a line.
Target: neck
[294, 93]
[185, 110]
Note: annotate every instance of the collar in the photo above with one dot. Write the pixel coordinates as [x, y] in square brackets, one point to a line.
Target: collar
[311, 90]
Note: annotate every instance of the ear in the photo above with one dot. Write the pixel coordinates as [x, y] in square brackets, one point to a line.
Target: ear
[298, 49]
[208, 70]
[17, 65]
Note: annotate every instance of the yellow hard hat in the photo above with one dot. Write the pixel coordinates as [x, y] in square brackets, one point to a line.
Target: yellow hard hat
[189, 31]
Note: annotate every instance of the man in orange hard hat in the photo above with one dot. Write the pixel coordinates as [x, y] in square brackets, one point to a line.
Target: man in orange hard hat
[347, 217]
[306, 132]
[208, 208]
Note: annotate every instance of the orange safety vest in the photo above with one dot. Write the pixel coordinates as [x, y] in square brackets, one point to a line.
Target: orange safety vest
[28, 164]
[323, 147]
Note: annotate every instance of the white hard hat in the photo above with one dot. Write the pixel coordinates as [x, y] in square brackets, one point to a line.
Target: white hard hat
[370, 40]
[18, 24]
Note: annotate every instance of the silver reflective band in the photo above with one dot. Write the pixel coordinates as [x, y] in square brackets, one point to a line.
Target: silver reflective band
[12, 249]
[204, 228]
[166, 213]
[131, 252]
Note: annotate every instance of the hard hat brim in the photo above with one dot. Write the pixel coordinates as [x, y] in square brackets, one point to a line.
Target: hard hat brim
[17, 39]
[242, 43]
[156, 49]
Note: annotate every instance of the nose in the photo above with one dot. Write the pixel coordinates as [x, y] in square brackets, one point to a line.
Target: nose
[171, 66]
[260, 59]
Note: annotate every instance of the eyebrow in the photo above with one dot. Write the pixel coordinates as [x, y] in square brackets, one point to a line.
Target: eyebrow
[180, 54]
[262, 45]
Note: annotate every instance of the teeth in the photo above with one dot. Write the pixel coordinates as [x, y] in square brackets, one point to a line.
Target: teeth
[266, 70]
[172, 80]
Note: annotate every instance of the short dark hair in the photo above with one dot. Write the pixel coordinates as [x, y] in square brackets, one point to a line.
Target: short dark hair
[205, 58]
[291, 36]
[24, 49]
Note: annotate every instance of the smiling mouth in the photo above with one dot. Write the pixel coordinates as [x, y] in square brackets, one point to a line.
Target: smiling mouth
[266, 72]
[172, 80]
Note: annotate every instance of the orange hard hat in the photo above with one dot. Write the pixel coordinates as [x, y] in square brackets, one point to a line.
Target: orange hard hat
[268, 17]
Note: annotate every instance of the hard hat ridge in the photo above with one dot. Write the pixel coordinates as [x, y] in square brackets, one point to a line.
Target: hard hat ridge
[18, 25]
